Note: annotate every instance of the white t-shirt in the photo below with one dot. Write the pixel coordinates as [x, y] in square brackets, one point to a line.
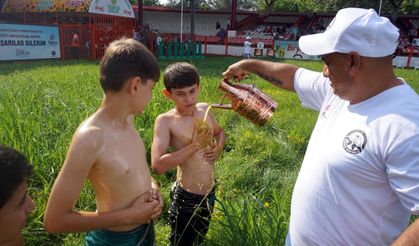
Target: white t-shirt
[246, 48]
[159, 40]
[359, 180]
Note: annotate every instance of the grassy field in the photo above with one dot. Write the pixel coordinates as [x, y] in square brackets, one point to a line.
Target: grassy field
[43, 102]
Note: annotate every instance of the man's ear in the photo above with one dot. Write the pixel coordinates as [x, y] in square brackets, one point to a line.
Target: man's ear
[134, 85]
[355, 61]
[166, 93]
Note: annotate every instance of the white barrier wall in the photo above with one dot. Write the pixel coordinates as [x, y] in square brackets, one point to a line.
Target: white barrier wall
[24, 42]
[290, 50]
[401, 62]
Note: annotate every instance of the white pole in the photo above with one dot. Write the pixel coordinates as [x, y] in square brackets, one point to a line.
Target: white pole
[379, 10]
[4, 6]
[181, 20]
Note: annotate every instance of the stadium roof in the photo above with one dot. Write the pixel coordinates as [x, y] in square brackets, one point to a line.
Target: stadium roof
[108, 7]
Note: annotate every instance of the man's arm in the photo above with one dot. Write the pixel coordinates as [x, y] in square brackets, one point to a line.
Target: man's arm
[59, 214]
[410, 237]
[278, 74]
[161, 161]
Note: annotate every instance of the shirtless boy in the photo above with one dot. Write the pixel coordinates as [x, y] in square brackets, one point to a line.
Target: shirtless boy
[15, 203]
[107, 150]
[195, 147]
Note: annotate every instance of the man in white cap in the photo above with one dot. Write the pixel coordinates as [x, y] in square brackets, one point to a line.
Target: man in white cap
[359, 181]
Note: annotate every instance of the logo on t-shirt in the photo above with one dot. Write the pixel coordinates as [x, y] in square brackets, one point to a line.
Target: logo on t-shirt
[355, 141]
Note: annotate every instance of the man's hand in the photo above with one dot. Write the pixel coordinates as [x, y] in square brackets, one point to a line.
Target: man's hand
[236, 71]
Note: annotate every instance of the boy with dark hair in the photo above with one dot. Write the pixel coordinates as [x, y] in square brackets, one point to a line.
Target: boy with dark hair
[15, 203]
[197, 140]
[108, 151]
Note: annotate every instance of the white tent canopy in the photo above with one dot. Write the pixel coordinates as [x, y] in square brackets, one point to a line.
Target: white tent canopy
[118, 7]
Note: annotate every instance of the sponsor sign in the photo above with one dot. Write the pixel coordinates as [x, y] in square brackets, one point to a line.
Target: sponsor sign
[19, 6]
[25, 42]
[291, 50]
[112, 7]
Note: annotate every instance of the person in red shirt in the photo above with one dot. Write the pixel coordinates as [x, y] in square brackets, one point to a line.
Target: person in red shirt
[75, 44]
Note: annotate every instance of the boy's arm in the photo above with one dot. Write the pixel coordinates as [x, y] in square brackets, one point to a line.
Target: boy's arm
[161, 161]
[59, 214]
[409, 236]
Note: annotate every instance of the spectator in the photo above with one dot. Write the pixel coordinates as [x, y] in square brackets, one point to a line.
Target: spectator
[412, 34]
[136, 35]
[75, 45]
[222, 33]
[87, 47]
[246, 48]
[159, 40]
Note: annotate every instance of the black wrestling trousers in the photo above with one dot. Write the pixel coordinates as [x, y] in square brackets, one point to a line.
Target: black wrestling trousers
[190, 216]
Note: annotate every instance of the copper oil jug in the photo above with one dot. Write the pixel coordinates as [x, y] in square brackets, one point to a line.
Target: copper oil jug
[248, 101]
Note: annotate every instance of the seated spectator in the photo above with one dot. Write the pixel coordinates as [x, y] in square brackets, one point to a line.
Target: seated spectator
[288, 36]
[222, 33]
[412, 33]
[15, 203]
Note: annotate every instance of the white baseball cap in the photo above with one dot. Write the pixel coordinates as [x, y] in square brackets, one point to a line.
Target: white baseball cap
[354, 29]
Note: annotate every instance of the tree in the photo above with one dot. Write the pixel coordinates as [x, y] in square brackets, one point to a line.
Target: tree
[146, 2]
[331, 6]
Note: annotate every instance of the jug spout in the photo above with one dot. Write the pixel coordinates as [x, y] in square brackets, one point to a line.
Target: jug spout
[221, 106]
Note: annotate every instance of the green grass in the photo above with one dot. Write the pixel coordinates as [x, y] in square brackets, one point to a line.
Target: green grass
[43, 102]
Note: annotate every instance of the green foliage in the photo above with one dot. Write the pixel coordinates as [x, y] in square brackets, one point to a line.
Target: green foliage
[246, 216]
[330, 6]
[146, 2]
[43, 102]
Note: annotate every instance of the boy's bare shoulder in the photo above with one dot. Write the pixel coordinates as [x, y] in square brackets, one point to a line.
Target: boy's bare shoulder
[89, 133]
[166, 117]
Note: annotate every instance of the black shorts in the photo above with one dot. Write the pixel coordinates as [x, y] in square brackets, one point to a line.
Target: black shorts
[190, 215]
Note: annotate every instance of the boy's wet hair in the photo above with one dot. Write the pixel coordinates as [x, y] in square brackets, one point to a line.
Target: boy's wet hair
[124, 59]
[180, 75]
[14, 169]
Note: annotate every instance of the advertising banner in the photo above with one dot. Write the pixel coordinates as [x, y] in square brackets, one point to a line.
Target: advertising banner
[112, 7]
[291, 50]
[19, 6]
[24, 42]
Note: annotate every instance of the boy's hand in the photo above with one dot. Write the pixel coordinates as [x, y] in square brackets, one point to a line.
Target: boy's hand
[145, 208]
[212, 153]
[157, 196]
